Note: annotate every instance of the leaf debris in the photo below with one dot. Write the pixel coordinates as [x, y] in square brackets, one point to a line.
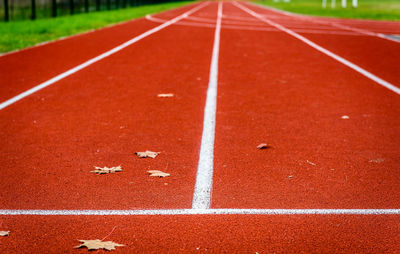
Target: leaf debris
[98, 244]
[106, 170]
[165, 95]
[147, 154]
[158, 173]
[262, 146]
[4, 233]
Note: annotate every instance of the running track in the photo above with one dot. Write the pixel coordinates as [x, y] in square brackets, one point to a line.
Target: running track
[242, 75]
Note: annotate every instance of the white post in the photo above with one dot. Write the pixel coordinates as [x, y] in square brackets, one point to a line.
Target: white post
[344, 3]
[355, 3]
[333, 4]
[324, 4]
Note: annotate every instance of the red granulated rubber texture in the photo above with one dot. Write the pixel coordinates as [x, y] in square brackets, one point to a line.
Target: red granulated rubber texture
[23, 70]
[205, 233]
[376, 55]
[277, 90]
[101, 116]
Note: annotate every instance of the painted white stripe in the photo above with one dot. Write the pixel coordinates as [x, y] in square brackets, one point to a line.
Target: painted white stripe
[334, 24]
[98, 58]
[207, 212]
[205, 168]
[349, 64]
[251, 28]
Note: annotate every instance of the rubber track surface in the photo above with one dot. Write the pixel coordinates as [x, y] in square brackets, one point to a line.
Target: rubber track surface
[272, 88]
[206, 234]
[275, 89]
[101, 116]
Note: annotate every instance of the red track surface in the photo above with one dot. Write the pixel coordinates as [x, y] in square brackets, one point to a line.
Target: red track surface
[271, 88]
[206, 234]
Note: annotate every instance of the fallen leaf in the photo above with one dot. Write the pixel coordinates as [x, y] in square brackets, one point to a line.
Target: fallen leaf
[262, 146]
[98, 244]
[147, 154]
[105, 170]
[165, 95]
[4, 233]
[158, 173]
[345, 117]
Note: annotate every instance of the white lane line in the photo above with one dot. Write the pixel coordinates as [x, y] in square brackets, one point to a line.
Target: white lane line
[334, 24]
[207, 212]
[349, 64]
[99, 57]
[205, 168]
[251, 28]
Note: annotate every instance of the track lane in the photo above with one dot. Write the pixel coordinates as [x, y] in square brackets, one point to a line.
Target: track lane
[102, 115]
[377, 55]
[205, 233]
[276, 89]
[25, 69]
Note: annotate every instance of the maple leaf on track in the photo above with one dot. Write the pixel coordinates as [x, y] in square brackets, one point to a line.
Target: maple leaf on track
[105, 170]
[158, 173]
[147, 154]
[98, 244]
[165, 95]
[4, 233]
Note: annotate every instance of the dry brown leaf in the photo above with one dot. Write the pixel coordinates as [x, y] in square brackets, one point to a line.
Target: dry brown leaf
[98, 244]
[262, 146]
[4, 233]
[165, 95]
[158, 173]
[147, 154]
[105, 170]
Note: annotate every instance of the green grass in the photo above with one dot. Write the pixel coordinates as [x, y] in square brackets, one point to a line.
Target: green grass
[21, 34]
[367, 9]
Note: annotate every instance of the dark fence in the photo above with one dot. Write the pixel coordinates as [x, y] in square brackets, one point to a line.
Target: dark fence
[33, 9]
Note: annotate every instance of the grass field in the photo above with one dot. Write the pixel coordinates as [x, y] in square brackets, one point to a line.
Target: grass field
[21, 34]
[367, 9]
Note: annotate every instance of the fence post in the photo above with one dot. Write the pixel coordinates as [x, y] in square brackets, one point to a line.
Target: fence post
[6, 15]
[33, 6]
[54, 8]
[71, 6]
[86, 5]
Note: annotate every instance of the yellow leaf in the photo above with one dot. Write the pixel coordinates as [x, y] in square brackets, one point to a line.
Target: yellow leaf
[98, 244]
[158, 173]
[4, 233]
[147, 154]
[105, 170]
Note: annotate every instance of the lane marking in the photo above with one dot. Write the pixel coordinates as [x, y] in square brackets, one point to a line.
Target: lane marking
[99, 57]
[251, 28]
[349, 64]
[334, 24]
[205, 168]
[207, 212]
